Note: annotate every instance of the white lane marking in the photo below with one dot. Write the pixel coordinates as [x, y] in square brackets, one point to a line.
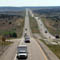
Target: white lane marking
[18, 45]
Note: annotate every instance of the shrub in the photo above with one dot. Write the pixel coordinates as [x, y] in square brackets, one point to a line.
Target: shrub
[3, 39]
[14, 35]
[10, 22]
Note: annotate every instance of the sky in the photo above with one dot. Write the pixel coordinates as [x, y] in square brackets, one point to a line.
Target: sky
[20, 3]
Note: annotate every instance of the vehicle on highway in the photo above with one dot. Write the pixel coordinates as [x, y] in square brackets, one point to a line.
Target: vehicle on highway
[22, 52]
[41, 24]
[27, 39]
[57, 36]
[46, 31]
[26, 29]
[25, 34]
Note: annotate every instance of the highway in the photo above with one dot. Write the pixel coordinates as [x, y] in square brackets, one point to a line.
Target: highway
[42, 27]
[34, 50]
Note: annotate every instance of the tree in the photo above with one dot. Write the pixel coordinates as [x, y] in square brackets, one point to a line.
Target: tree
[3, 42]
[10, 22]
[14, 35]
[3, 39]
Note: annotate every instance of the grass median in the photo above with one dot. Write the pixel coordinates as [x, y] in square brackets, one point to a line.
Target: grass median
[33, 25]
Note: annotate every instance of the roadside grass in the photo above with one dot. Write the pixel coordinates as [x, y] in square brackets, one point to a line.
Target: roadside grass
[5, 43]
[18, 29]
[14, 24]
[54, 48]
[33, 25]
[2, 32]
[52, 31]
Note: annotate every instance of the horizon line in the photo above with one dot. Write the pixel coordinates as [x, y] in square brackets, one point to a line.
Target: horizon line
[29, 6]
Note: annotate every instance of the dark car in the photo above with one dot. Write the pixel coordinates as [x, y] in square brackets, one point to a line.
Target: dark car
[46, 31]
[22, 52]
[26, 29]
[57, 36]
[27, 39]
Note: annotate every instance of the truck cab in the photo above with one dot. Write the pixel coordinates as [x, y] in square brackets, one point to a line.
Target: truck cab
[22, 52]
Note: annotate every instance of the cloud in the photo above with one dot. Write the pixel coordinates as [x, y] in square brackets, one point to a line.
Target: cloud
[29, 3]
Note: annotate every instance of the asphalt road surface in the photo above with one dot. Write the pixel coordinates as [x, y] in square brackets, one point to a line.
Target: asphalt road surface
[34, 50]
[42, 27]
[11, 51]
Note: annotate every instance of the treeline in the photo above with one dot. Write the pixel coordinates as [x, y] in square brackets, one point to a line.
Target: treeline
[53, 17]
[47, 10]
[10, 35]
[4, 16]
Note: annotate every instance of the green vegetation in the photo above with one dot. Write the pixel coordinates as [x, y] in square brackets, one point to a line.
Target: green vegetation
[19, 29]
[11, 24]
[3, 41]
[33, 25]
[9, 34]
[54, 48]
[6, 43]
[8, 30]
[11, 27]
